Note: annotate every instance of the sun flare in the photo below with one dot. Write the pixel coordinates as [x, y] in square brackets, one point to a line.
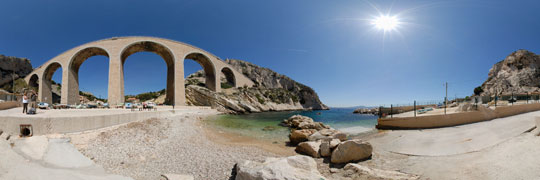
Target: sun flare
[386, 22]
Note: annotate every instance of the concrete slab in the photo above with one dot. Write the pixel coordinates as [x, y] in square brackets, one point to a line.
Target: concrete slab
[33, 147]
[455, 140]
[61, 153]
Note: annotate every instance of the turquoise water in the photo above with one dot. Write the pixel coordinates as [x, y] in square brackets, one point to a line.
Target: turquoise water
[266, 125]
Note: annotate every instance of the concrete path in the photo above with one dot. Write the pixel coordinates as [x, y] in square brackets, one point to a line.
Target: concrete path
[17, 112]
[41, 158]
[455, 140]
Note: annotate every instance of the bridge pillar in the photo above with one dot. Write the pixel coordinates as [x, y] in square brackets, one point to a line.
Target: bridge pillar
[70, 87]
[116, 80]
[179, 87]
[45, 92]
[217, 78]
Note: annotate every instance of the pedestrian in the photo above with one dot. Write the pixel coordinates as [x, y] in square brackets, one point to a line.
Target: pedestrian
[25, 103]
[33, 99]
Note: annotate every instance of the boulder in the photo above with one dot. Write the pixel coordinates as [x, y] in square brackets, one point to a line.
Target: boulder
[296, 121]
[292, 167]
[350, 151]
[298, 136]
[310, 148]
[341, 136]
[334, 143]
[356, 171]
[328, 134]
[325, 149]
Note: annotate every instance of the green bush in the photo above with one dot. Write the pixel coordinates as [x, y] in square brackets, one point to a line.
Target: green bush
[225, 85]
[259, 98]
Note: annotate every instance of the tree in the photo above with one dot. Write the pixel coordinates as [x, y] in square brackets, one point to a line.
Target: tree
[478, 90]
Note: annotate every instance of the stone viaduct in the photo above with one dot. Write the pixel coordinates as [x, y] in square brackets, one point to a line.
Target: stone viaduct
[117, 50]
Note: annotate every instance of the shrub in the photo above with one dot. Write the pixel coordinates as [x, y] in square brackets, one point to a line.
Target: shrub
[226, 85]
[259, 98]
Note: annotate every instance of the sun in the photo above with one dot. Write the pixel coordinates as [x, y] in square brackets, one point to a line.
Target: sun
[386, 22]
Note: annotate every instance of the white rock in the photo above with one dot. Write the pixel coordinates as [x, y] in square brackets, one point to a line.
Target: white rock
[334, 143]
[360, 171]
[293, 167]
[325, 149]
[310, 148]
[352, 150]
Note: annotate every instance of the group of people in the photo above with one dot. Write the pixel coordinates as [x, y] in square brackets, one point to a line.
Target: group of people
[29, 98]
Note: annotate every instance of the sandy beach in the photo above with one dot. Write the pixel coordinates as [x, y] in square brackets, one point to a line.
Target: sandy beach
[177, 145]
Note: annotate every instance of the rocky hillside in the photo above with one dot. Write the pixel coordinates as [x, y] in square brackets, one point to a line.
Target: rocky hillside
[272, 92]
[517, 73]
[13, 68]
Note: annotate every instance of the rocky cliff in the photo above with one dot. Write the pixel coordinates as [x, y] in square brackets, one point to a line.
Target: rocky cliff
[272, 92]
[13, 68]
[517, 73]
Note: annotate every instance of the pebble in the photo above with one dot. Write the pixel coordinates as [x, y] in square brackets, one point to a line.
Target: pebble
[175, 146]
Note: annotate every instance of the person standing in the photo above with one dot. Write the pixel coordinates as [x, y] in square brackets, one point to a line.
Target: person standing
[25, 103]
[33, 99]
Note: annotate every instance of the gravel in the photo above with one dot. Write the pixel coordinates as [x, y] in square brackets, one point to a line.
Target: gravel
[178, 145]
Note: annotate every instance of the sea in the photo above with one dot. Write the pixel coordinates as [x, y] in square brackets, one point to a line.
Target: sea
[265, 125]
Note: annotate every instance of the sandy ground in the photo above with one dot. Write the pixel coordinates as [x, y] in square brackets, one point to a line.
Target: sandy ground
[177, 145]
[498, 149]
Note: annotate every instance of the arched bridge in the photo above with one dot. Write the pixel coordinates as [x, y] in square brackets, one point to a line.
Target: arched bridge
[117, 50]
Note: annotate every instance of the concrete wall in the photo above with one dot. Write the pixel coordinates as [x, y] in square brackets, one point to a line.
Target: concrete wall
[9, 105]
[50, 125]
[436, 121]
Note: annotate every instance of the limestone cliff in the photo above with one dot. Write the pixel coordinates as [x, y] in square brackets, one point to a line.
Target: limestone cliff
[518, 73]
[272, 92]
[13, 68]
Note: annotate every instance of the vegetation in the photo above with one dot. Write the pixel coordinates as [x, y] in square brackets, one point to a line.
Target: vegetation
[259, 98]
[147, 95]
[91, 97]
[478, 90]
[20, 85]
[225, 85]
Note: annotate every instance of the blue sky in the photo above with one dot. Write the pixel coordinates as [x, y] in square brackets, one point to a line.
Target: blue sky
[328, 45]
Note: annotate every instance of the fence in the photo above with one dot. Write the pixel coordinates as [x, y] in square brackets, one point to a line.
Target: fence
[489, 100]
[8, 97]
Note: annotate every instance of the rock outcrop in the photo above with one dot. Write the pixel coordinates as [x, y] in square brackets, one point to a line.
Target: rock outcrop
[293, 167]
[303, 129]
[18, 67]
[517, 73]
[318, 140]
[272, 92]
[268, 79]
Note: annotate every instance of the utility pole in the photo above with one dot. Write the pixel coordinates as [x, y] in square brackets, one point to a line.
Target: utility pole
[13, 82]
[446, 98]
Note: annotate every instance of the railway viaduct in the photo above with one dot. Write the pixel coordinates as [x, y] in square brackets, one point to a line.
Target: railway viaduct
[117, 50]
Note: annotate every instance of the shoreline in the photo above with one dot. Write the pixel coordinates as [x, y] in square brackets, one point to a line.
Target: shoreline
[230, 138]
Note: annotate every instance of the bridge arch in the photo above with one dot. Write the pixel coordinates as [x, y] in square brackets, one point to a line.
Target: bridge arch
[229, 76]
[208, 68]
[45, 92]
[73, 71]
[33, 82]
[159, 49]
